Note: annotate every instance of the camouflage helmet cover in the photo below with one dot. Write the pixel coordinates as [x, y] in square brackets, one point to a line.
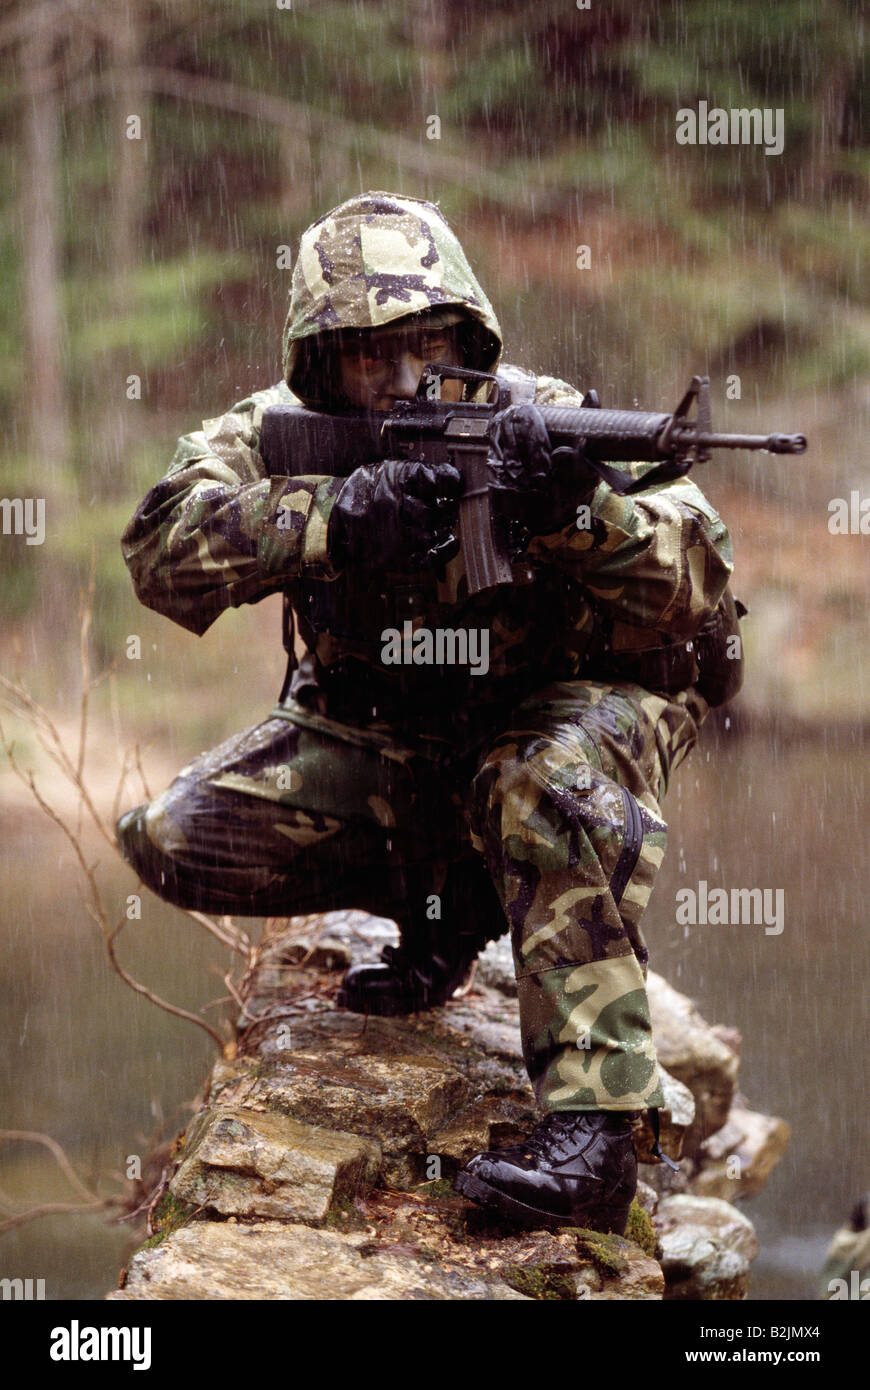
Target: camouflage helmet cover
[375, 259]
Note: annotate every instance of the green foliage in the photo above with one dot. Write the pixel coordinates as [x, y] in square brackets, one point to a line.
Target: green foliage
[163, 311]
[498, 89]
[556, 122]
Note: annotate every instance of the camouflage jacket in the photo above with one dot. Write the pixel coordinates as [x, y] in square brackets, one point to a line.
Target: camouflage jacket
[214, 533]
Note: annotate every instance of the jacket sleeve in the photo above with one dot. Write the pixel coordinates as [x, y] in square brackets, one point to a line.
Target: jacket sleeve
[658, 559]
[218, 532]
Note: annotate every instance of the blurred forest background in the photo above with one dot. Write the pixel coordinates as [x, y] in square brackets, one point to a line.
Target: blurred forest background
[160, 256]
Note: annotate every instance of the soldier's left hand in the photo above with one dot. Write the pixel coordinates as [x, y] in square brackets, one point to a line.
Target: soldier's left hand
[521, 447]
[529, 493]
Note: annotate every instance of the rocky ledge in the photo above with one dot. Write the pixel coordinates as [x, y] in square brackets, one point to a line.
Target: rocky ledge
[320, 1164]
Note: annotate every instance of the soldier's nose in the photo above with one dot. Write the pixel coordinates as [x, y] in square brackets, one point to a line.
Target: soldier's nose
[406, 376]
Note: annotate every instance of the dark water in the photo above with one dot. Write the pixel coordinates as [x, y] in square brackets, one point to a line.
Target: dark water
[98, 1068]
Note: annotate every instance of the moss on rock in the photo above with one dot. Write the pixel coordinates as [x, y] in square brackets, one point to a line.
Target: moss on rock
[169, 1214]
[542, 1282]
[639, 1228]
[606, 1252]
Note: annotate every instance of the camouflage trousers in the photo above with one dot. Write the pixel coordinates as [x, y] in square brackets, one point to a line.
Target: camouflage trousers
[551, 828]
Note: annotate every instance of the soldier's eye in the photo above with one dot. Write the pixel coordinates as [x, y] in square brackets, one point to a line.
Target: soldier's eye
[433, 347]
[374, 354]
[386, 351]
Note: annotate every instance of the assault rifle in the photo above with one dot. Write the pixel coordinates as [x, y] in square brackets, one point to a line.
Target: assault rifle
[296, 441]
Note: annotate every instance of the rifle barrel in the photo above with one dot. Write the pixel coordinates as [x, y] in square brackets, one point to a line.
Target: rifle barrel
[771, 443]
[638, 435]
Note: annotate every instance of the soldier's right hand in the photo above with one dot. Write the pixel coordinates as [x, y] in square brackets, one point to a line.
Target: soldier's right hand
[396, 515]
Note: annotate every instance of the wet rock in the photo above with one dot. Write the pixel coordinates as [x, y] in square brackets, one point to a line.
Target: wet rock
[274, 1260]
[493, 1122]
[707, 1248]
[692, 1051]
[846, 1271]
[619, 1270]
[244, 1163]
[397, 1100]
[737, 1160]
[495, 966]
[567, 1265]
[349, 1130]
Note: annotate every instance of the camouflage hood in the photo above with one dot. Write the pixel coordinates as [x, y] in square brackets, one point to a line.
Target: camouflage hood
[374, 259]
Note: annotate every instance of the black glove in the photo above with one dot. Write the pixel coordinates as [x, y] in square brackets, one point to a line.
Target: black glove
[531, 496]
[398, 516]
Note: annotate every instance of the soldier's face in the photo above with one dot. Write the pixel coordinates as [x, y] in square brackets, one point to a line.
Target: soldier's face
[384, 365]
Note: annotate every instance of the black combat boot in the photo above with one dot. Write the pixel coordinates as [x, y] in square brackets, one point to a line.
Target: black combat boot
[577, 1168]
[435, 957]
[408, 980]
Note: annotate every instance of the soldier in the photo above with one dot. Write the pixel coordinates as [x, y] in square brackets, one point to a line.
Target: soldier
[525, 798]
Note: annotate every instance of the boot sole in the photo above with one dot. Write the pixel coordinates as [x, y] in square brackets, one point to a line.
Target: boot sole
[610, 1220]
[384, 1007]
[381, 1008]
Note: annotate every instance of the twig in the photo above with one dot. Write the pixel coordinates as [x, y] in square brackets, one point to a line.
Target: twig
[18, 1218]
[95, 906]
[158, 1193]
[237, 940]
[49, 1208]
[234, 992]
[87, 608]
[146, 1201]
[238, 933]
[44, 728]
[214, 1003]
[143, 778]
[36, 1137]
[125, 769]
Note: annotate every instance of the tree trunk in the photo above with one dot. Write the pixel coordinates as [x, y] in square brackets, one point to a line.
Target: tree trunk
[117, 417]
[47, 415]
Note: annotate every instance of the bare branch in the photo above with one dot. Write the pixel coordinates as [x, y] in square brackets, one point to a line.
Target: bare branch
[86, 610]
[236, 939]
[144, 1205]
[97, 911]
[143, 778]
[119, 790]
[305, 122]
[238, 933]
[46, 730]
[51, 1208]
[235, 994]
[143, 989]
[216, 1003]
[37, 1137]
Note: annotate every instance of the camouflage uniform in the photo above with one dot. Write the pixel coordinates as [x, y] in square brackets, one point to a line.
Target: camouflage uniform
[530, 795]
